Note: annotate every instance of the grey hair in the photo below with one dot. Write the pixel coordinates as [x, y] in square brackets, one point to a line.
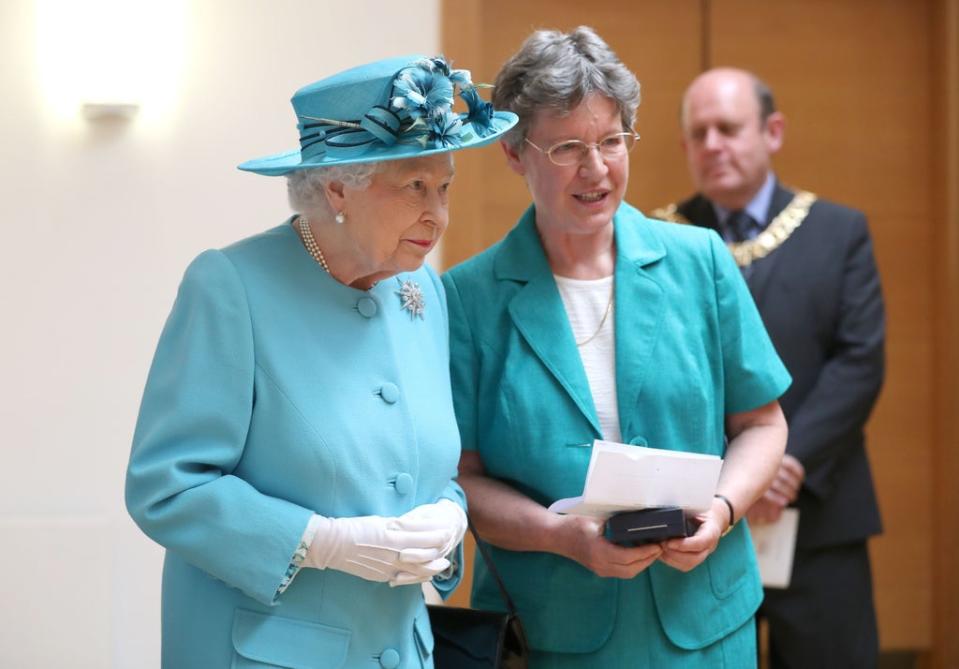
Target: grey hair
[306, 187]
[556, 71]
[764, 95]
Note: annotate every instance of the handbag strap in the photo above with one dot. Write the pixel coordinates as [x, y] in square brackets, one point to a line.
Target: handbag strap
[492, 567]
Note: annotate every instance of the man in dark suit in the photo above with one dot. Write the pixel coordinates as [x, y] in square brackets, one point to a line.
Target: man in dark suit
[810, 267]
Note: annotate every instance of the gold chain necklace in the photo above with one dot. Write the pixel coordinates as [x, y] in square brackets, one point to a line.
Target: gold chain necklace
[767, 241]
[303, 224]
[609, 308]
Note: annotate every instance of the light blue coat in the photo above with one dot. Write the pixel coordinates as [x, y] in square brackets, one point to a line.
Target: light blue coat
[690, 349]
[277, 392]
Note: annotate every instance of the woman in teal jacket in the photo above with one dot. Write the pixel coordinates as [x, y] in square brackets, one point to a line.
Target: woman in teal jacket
[590, 321]
[296, 445]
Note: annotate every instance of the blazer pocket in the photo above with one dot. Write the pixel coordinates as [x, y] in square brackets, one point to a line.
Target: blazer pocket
[423, 633]
[730, 570]
[262, 641]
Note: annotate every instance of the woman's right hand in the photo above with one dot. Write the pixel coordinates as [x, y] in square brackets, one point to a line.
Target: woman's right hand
[583, 540]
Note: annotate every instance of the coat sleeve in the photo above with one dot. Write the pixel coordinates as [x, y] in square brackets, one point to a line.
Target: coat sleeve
[191, 433]
[833, 414]
[448, 581]
[753, 374]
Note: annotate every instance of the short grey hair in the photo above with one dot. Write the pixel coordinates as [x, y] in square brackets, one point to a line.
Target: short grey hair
[556, 71]
[764, 95]
[306, 187]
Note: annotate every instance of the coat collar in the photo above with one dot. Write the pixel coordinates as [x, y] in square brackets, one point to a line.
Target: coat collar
[700, 211]
[764, 268]
[521, 256]
[781, 198]
[538, 313]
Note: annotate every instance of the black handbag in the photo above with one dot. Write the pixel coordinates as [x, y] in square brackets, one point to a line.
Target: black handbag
[474, 639]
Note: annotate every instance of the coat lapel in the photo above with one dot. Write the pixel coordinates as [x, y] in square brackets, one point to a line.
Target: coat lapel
[700, 212]
[640, 305]
[764, 267]
[538, 313]
[537, 310]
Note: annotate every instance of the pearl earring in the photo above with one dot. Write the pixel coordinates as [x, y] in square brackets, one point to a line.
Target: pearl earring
[340, 217]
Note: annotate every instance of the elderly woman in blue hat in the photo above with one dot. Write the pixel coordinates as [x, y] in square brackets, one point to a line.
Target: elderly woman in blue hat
[296, 444]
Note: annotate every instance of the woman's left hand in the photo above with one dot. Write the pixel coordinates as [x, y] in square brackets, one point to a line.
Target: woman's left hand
[757, 440]
[443, 515]
[687, 554]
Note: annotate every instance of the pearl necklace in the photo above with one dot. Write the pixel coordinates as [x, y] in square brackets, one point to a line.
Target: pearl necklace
[309, 241]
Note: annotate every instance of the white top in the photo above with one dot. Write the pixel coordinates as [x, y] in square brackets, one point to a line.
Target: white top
[586, 302]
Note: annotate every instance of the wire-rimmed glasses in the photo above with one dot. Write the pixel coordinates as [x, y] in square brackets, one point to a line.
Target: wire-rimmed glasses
[573, 151]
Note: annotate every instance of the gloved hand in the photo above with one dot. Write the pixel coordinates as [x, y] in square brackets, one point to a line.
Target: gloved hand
[444, 515]
[378, 549]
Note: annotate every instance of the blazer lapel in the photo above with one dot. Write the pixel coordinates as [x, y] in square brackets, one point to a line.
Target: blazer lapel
[701, 213]
[763, 268]
[640, 305]
[538, 313]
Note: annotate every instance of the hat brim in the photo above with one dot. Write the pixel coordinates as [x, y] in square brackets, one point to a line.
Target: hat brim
[291, 161]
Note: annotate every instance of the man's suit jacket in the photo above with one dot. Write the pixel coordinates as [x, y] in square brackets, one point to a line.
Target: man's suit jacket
[820, 299]
[690, 349]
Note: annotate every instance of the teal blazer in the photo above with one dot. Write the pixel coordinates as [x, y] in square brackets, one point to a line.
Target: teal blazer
[690, 348]
[277, 392]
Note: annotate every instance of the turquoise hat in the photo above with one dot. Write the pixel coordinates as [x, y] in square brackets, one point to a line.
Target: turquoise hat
[386, 110]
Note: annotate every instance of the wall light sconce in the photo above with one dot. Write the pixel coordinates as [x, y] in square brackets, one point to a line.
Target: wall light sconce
[119, 111]
[110, 60]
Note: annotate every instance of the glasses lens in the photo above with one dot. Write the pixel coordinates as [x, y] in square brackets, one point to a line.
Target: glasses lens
[568, 153]
[617, 145]
[574, 151]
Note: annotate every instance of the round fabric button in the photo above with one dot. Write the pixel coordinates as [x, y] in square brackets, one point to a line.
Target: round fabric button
[638, 441]
[389, 659]
[390, 393]
[366, 306]
[404, 484]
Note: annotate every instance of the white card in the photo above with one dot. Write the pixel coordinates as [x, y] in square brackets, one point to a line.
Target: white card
[623, 478]
[775, 545]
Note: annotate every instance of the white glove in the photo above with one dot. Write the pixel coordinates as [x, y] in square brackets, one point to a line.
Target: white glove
[445, 515]
[377, 549]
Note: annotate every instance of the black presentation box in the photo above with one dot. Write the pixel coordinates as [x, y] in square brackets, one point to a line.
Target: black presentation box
[645, 526]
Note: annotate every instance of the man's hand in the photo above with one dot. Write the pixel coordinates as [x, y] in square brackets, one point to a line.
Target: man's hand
[783, 491]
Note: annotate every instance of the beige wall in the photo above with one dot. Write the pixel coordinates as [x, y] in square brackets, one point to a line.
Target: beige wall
[99, 221]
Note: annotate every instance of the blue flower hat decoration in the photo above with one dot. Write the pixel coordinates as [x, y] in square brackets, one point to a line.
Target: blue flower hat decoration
[386, 110]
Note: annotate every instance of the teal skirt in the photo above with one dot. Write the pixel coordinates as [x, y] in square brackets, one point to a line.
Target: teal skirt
[638, 641]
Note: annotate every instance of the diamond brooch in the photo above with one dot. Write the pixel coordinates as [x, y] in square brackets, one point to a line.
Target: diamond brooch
[411, 298]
